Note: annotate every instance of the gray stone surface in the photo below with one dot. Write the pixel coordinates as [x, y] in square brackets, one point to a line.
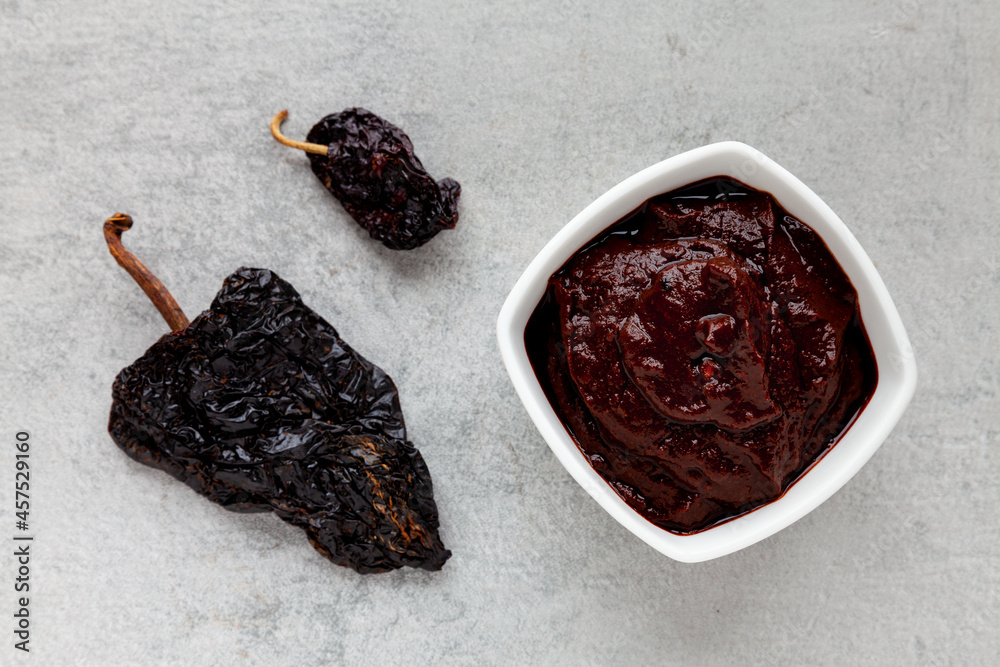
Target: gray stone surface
[887, 110]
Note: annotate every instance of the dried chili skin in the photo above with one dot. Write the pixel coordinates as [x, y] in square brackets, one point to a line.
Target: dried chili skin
[371, 168]
[260, 406]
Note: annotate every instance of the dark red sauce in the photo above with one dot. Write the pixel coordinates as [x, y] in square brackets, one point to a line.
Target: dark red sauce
[703, 352]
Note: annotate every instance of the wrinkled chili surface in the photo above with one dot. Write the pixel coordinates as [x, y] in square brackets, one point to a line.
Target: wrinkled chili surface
[372, 169]
[260, 406]
[702, 352]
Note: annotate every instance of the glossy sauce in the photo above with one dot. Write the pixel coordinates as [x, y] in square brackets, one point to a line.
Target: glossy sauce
[703, 352]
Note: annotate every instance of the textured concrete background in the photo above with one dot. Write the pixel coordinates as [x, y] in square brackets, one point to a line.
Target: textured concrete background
[887, 109]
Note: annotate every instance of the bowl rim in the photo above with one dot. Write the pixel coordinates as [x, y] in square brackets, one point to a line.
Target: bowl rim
[894, 356]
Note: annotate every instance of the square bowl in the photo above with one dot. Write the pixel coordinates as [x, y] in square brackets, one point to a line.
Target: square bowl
[897, 375]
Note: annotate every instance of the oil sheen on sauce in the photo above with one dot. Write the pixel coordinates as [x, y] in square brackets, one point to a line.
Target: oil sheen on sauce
[703, 352]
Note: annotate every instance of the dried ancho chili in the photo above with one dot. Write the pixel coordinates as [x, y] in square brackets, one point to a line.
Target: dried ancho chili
[260, 406]
[368, 164]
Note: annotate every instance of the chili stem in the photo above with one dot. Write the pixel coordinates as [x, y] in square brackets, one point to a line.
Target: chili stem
[150, 284]
[301, 145]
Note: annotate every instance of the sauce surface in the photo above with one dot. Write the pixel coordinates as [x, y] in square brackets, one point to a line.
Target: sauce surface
[703, 352]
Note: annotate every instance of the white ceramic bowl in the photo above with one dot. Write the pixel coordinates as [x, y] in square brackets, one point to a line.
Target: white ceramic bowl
[897, 374]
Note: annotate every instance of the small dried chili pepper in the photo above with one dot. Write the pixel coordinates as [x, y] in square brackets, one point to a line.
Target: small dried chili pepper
[260, 406]
[368, 164]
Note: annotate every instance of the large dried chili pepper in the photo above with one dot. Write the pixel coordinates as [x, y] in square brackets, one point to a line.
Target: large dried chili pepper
[260, 406]
[369, 165]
